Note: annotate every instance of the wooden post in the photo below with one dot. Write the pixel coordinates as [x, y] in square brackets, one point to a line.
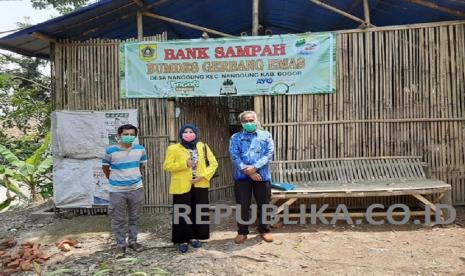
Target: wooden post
[140, 26]
[366, 11]
[255, 16]
[172, 121]
[447, 199]
[257, 107]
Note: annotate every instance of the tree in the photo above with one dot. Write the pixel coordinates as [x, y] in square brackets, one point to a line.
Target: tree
[31, 173]
[25, 103]
[63, 6]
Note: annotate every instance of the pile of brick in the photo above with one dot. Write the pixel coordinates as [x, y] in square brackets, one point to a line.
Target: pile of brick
[22, 259]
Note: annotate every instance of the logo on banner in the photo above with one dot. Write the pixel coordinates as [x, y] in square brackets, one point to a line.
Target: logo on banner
[147, 52]
[306, 46]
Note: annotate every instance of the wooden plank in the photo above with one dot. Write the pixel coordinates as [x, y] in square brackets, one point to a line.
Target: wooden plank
[425, 201]
[286, 204]
[362, 215]
[354, 194]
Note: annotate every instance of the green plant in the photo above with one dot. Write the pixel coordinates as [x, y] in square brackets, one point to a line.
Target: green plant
[31, 173]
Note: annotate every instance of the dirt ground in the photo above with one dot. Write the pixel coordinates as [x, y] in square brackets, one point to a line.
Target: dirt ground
[297, 249]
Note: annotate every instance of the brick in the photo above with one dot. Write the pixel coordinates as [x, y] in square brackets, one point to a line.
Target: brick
[6, 259]
[69, 241]
[35, 245]
[37, 253]
[25, 265]
[13, 264]
[27, 255]
[20, 251]
[64, 247]
[45, 256]
[7, 243]
[8, 271]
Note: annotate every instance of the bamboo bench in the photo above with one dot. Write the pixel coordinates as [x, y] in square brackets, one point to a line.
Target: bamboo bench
[358, 177]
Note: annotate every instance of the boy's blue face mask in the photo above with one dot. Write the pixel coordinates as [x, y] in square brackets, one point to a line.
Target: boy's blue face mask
[128, 139]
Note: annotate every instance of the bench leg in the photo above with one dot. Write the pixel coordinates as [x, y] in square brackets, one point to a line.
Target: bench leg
[446, 199]
[281, 208]
[425, 201]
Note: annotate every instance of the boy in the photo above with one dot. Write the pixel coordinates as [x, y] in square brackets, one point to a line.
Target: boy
[121, 166]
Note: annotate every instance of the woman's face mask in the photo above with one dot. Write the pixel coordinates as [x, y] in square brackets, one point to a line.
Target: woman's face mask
[128, 139]
[188, 136]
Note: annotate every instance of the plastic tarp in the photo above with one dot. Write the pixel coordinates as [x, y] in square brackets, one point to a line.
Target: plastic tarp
[79, 142]
[86, 134]
[75, 183]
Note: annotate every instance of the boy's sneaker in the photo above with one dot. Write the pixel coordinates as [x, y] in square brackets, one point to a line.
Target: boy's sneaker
[136, 247]
[183, 247]
[120, 252]
[196, 243]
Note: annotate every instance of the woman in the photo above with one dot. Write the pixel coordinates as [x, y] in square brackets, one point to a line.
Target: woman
[192, 165]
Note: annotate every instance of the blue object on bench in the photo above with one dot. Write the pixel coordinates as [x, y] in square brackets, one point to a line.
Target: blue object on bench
[284, 186]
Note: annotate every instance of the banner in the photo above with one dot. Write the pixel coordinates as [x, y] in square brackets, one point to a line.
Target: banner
[258, 65]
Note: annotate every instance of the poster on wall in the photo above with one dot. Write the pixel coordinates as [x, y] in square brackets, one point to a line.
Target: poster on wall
[258, 65]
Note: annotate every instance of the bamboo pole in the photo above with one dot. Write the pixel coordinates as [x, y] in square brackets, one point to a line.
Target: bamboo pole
[336, 10]
[140, 26]
[140, 3]
[185, 24]
[366, 12]
[437, 7]
[255, 16]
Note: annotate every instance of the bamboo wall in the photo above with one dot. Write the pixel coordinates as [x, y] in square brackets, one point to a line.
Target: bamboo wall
[399, 93]
[86, 77]
[212, 117]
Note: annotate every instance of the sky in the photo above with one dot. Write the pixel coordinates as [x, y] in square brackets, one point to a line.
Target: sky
[12, 11]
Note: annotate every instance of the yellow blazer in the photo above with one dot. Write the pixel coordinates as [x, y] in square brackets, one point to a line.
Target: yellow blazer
[181, 175]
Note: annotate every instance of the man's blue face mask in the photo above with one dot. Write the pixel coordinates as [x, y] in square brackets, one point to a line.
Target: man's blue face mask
[250, 126]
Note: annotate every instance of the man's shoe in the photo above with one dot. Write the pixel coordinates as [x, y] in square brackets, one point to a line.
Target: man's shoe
[136, 247]
[240, 239]
[120, 252]
[183, 247]
[267, 237]
[196, 243]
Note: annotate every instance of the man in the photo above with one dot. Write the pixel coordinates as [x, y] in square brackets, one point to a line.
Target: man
[121, 166]
[251, 152]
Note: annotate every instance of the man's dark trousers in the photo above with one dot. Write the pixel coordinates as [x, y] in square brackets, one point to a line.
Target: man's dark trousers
[243, 190]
